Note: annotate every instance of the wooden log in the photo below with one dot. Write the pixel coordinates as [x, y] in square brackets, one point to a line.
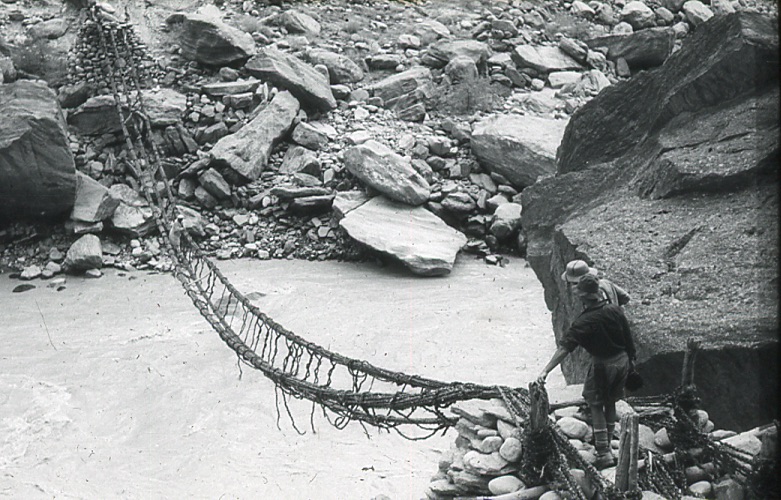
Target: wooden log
[626, 470]
[538, 412]
[687, 373]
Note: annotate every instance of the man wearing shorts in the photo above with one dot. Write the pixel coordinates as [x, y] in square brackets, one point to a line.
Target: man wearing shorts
[603, 331]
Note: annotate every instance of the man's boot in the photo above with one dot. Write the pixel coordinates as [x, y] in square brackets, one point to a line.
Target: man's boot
[602, 444]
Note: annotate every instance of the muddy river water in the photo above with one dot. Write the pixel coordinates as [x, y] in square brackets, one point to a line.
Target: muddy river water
[117, 388]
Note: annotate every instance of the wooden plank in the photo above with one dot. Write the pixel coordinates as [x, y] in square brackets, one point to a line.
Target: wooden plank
[626, 469]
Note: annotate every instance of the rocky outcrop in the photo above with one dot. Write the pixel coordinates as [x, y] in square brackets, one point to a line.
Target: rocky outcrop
[521, 148]
[208, 40]
[667, 184]
[37, 170]
[379, 167]
[413, 235]
[302, 80]
[246, 152]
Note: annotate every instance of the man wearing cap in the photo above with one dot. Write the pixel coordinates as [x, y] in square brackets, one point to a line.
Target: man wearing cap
[576, 269]
[603, 331]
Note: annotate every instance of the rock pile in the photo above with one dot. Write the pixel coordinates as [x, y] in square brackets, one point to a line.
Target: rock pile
[484, 460]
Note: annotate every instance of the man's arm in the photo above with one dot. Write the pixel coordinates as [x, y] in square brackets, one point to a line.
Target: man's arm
[558, 357]
[623, 296]
[628, 339]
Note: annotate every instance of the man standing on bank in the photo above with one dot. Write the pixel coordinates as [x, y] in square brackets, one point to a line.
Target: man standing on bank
[603, 331]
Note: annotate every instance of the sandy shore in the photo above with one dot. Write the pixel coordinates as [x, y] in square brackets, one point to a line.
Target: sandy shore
[117, 388]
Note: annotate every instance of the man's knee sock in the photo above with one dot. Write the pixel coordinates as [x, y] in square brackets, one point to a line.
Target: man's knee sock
[601, 442]
[611, 431]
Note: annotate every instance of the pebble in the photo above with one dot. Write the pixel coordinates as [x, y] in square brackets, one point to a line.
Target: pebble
[56, 282]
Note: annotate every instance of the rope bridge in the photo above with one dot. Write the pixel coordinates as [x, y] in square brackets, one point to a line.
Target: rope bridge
[350, 389]
[112, 59]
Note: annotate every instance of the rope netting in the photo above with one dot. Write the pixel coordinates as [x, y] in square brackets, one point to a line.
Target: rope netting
[346, 389]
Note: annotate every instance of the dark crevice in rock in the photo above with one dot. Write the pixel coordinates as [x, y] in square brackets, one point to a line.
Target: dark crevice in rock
[756, 388]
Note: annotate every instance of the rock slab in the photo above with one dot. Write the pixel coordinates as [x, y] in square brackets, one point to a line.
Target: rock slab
[521, 148]
[294, 75]
[246, 152]
[413, 235]
[393, 175]
[208, 40]
[93, 201]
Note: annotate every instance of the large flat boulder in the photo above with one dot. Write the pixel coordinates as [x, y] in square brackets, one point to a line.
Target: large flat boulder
[413, 235]
[246, 152]
[377, 166]
[520, 147]
[37, 171]
[668, 183]
[287, 71]
[207, 39]
[642, 49]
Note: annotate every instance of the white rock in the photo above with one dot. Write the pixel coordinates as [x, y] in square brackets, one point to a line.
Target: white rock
[505, 484]
[521, 148]
[484, 464]
[638, 14]
[30, 272]
[85, 253]
[696, 12]
[745, 441]
[378, 166]
[662, 440]
[421, 240]
[511, 449]
[701, 489]
[558, 79]
[572, 427]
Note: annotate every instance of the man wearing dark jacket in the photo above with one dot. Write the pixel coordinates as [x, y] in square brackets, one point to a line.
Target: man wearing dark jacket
[603, 331]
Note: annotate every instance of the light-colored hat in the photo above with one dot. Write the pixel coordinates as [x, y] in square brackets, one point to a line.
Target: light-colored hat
[588, 287]
[576, 269]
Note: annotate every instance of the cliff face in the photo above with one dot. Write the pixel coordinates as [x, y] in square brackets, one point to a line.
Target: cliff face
[668, 184]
